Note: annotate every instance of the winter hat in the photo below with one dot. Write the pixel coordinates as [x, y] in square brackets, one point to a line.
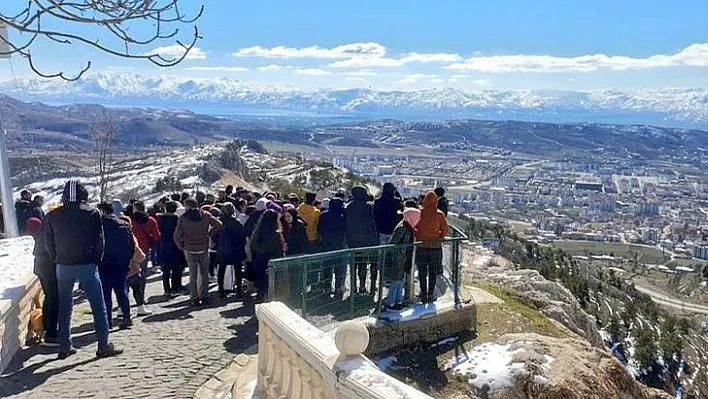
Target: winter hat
[287, 207]
[216, 212]
[118, 207]
[411, 216]
[206, 208]
[261, 204]
[33, 225]
[275, 207]
[74, 191]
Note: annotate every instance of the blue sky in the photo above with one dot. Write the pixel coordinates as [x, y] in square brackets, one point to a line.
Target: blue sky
[392, 44]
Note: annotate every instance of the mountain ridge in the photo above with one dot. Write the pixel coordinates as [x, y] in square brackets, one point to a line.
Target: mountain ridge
[674, 107]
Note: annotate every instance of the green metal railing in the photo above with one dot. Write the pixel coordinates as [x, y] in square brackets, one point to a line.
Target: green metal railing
[331, 287]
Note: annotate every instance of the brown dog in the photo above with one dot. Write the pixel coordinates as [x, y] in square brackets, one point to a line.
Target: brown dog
[35, 329]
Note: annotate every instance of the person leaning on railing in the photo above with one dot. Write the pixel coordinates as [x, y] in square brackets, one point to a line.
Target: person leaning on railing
[431, 229]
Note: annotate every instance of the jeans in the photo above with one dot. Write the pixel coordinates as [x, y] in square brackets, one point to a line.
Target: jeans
[87, 276]
[137, 283]
[113, 279]
[429, 261]
[155, 255]
[395, 292]
[47, 274]
[198, 263]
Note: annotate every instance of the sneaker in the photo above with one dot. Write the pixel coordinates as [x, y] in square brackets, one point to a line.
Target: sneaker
[142, 311]
[50, 342]
[64, 354]
[398, 307]
[110, 351]
[125, 324]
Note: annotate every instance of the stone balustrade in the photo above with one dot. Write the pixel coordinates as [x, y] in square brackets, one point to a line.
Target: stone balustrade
[297, 360]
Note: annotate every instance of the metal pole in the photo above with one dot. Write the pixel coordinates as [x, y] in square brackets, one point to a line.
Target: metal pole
[8, 206]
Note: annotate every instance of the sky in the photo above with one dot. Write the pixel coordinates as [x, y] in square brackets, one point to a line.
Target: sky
[414, 44]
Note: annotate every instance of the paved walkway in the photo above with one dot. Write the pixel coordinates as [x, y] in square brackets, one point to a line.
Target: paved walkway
[167, 355]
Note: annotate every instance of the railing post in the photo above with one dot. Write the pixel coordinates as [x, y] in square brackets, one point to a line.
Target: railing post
[382, 269]
[456, 272]
[351, 257]
[271, 283]
[303, 290]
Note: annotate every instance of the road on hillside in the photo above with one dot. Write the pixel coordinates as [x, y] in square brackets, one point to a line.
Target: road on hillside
[664, 299]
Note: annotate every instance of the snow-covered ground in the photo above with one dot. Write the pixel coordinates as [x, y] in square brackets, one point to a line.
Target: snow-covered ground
[488, 364]
[16, 265]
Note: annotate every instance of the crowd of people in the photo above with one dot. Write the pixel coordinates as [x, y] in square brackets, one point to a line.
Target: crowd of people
[228, 238]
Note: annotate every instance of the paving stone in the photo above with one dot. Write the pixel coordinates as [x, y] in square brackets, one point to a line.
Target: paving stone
[169, 354]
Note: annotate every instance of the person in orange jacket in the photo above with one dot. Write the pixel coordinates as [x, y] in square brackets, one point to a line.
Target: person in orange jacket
[431, 229]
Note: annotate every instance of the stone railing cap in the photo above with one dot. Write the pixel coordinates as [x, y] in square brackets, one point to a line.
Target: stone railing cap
[351, 338]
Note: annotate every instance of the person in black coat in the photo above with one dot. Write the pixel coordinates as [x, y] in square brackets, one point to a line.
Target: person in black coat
[114, 267]
[231, 249]
[293, 232]
[46, 272]
[332, 227]
[387, 210]
[23, 207]
[361, 232]
[171, 258]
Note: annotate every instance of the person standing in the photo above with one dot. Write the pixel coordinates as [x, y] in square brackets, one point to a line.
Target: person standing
[310, 214]
[267, 243]
[387, 210]
[75, 242]
[36, 210]
[403, 234]
[171, 258]
[431, 229]
[361, 232]
[443, 203]
[146, 231]
[231, 249]
[332, 228]
[46, 272]
[114, 267]
[22, 210]
[192, 236]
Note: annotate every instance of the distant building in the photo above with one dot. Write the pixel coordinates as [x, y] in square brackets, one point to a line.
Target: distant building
[648, 209]
[588, 185]
[650, 236]
[700, 251]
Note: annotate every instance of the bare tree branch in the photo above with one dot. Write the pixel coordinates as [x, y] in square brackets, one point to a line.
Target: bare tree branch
[103, 132]
[112, 16]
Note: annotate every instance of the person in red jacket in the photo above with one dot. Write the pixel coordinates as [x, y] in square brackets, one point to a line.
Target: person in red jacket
[430, 230]
[148, 234]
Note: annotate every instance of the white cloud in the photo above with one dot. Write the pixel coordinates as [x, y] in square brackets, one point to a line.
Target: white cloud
[694, 55]
[217, 69]
[176, 51]
[361, 72]
[482, 82]
[313, 72]
[458, 76]
[432, 57]
[384, 62]
[437, 81]
[350, 50]
[270, 68]
[415, 77]
[356, 79]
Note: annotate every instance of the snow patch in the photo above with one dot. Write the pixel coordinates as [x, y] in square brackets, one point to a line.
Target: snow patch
[16, 266]
[489, 365]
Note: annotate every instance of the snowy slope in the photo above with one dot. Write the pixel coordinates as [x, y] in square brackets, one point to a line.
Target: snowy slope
[672, 106]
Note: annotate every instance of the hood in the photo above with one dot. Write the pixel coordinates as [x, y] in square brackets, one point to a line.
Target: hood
[140, 217]
[274, 207]
[261, 204]
[411, 216]
[194, 215]
[359, 193]
[336, 205]
[430, 203]
[118, 207]
[388, 190]
[74, 192]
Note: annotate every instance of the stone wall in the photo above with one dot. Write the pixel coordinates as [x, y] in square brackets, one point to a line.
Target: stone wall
[14, 320]
[297, 360]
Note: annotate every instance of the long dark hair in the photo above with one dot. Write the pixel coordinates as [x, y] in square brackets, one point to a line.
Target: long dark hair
[286, 228]
[265, 235]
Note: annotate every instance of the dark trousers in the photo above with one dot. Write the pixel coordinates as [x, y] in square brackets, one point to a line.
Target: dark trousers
[47, 273]
[361, 261]
[177, 273]
[238, 276]
[113, 280]
[212, 263]
[171, 277]
[260, 268]
[136, 282]
[429, 262]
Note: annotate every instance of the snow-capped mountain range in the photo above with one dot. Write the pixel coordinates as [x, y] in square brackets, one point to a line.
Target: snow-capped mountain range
[682, 107]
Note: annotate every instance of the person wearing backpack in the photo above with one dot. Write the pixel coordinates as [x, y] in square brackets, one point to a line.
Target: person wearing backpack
[147, 233]
[113, 269]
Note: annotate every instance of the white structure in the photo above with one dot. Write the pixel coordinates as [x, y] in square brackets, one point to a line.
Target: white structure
[297, 360]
